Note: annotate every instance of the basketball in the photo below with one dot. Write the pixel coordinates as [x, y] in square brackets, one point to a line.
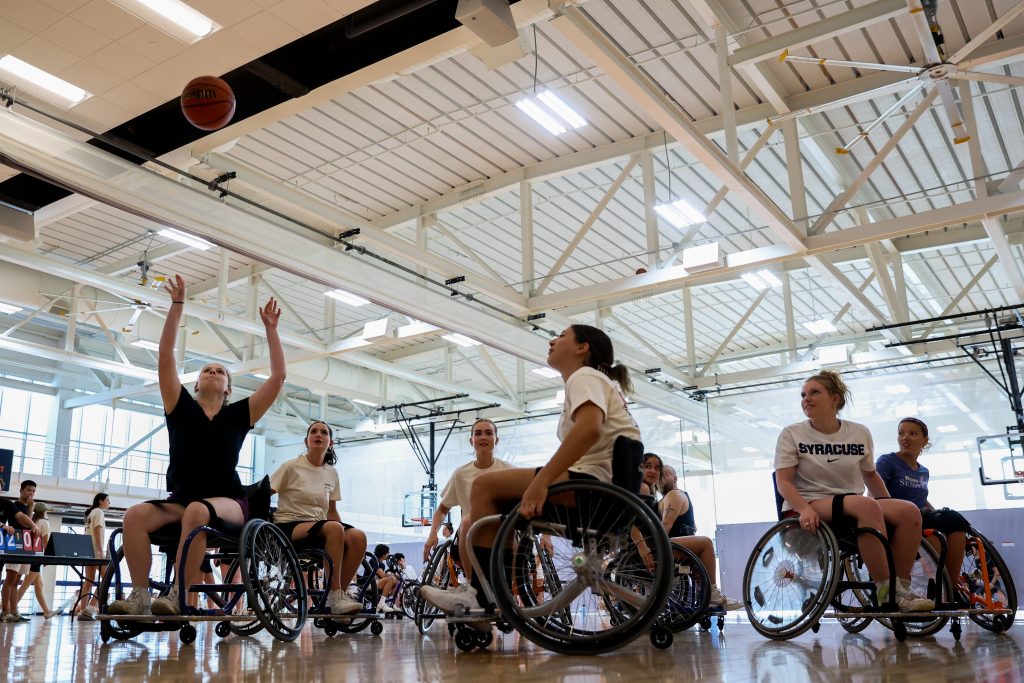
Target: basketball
[641, 271]
[208, 102]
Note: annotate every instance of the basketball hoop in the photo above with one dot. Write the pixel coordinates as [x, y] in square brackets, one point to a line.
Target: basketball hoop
[423, 521]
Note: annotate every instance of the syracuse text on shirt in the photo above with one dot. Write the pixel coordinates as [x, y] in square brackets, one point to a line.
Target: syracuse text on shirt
[831, 448]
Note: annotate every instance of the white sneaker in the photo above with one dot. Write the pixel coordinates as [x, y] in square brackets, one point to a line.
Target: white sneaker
[720, 599]
[340, 602]
[906, 599]
[167, 606]
[137, 603]
[449, 600]
[384, 607]
[87, 614]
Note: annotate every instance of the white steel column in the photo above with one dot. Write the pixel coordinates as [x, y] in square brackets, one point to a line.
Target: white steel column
[526, 227]
[795, 167]
[728, 106]
[650, 215]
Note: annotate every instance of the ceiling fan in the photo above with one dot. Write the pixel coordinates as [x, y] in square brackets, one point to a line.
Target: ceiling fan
[935, 73]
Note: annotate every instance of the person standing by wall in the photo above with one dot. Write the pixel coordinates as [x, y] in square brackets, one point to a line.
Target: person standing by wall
[96, 529]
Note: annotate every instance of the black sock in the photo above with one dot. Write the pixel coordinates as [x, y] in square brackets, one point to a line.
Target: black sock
[483, 556]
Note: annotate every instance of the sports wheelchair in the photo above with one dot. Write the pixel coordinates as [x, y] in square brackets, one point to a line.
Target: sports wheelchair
[271, 594]
[607, 572]
[319, 569]
[442, 571]
[793, 576]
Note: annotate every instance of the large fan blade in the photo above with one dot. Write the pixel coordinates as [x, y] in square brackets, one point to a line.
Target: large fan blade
[786, 57]
[956, 122]
[877, 122]
[989, 78]
[846, 101]
[987, 33]
[924, 32]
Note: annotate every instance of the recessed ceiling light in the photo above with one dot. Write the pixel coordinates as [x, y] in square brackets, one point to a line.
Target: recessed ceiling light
[172, 16]
[41, 82]
[896, 389]
[550, 373]
[362, 402]
[563, 110]
[668, 418]
[185, 238]
[946, 429]
[8, 308]
[347, 297]
[460, 339]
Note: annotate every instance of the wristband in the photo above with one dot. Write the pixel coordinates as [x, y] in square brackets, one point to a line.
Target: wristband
[178, 302]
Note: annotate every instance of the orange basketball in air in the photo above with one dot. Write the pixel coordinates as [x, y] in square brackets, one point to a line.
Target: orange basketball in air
[208, 102]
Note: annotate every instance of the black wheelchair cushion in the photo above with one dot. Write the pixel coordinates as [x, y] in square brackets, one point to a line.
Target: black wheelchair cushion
[627, 464]
[259, 498]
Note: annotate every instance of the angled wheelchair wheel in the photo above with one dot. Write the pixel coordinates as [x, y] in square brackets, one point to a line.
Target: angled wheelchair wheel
[410, 594]
[241, 628]
[435, 574]
[113, 587]
[598, 533]
[1002, 588]
[690, 594]
[273, 579]
[790, 578]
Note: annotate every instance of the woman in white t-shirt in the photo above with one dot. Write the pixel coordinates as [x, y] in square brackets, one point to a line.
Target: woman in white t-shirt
[594, 414]
[825, 461]
[308, 490]
[31, 571]
[96, 529]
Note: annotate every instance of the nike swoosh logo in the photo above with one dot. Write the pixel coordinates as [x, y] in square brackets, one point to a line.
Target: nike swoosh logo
[833, 459]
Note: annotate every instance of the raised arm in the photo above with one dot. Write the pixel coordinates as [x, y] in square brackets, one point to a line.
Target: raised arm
[263, 397]
[167, 368]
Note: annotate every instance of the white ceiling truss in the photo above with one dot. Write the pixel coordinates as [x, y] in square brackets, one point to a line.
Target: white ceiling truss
[427, 156]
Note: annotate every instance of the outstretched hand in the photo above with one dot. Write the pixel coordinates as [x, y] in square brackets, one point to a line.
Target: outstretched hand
[176, 288]
[533, 499]
[270, 313]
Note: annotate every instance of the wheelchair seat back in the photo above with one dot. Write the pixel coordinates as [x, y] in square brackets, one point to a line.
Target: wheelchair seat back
[627, 464]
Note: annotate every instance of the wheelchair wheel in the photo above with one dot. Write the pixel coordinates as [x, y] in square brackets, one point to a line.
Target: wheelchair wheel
[594, 529]
[410, 594]
[1002, 588]
[241, 628]
[112, 588]
[273, 579]
[790, 578]
[853, 570]
[437, 567]
[690, 594]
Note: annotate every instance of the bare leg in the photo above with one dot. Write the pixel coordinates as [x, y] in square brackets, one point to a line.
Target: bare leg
[867, 513]
[139, 522]
[355, 548]
[906, 535]
[702, 547]
[197, 515]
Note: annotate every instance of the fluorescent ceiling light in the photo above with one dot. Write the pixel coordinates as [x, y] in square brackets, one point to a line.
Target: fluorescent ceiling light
[550, 373]
[347, 297]
[177, 13]
[896, 389]
[685, 436]
[754, 280]
[460, 339]
[750, 449]
[8, 309]
[769, 277]
[41, 82]
[185, 238]
[703, 256]
[560, 395]
[362, 402]
[819, 327]
[146, 344]
[831, 355]
[679, 213]
[561, 109]
[668, 418]
[552, 112]
[259, 375]
[946, 429]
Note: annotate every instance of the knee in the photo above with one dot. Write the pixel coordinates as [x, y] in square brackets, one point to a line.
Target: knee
[195, 515]
[135, 517]
[333, 531]
[355, 538]
[904, 513]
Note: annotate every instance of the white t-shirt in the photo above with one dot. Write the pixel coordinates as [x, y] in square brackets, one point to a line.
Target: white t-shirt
[304, 492]
[94, 520]
[593, 386]
[456, 491]
[826, 464]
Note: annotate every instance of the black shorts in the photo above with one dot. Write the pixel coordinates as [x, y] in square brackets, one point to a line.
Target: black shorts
[573, 476]
[289, 527]
[945, 520]
[205, 566]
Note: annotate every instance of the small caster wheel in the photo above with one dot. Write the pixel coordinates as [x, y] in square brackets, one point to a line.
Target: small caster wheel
[484, 638]
[187, 634]
[104, 637]
[955, 630]
[504, 626]
[376, 628]
[465, 640]
[721, 622]
[330, 630]
[319, 623]
[899, 629]
[222, 629]
[816, 626]
[451, 629]
[661, 638]
[705, 623]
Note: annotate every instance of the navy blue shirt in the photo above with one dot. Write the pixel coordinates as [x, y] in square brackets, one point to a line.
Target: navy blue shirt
[902, 481]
